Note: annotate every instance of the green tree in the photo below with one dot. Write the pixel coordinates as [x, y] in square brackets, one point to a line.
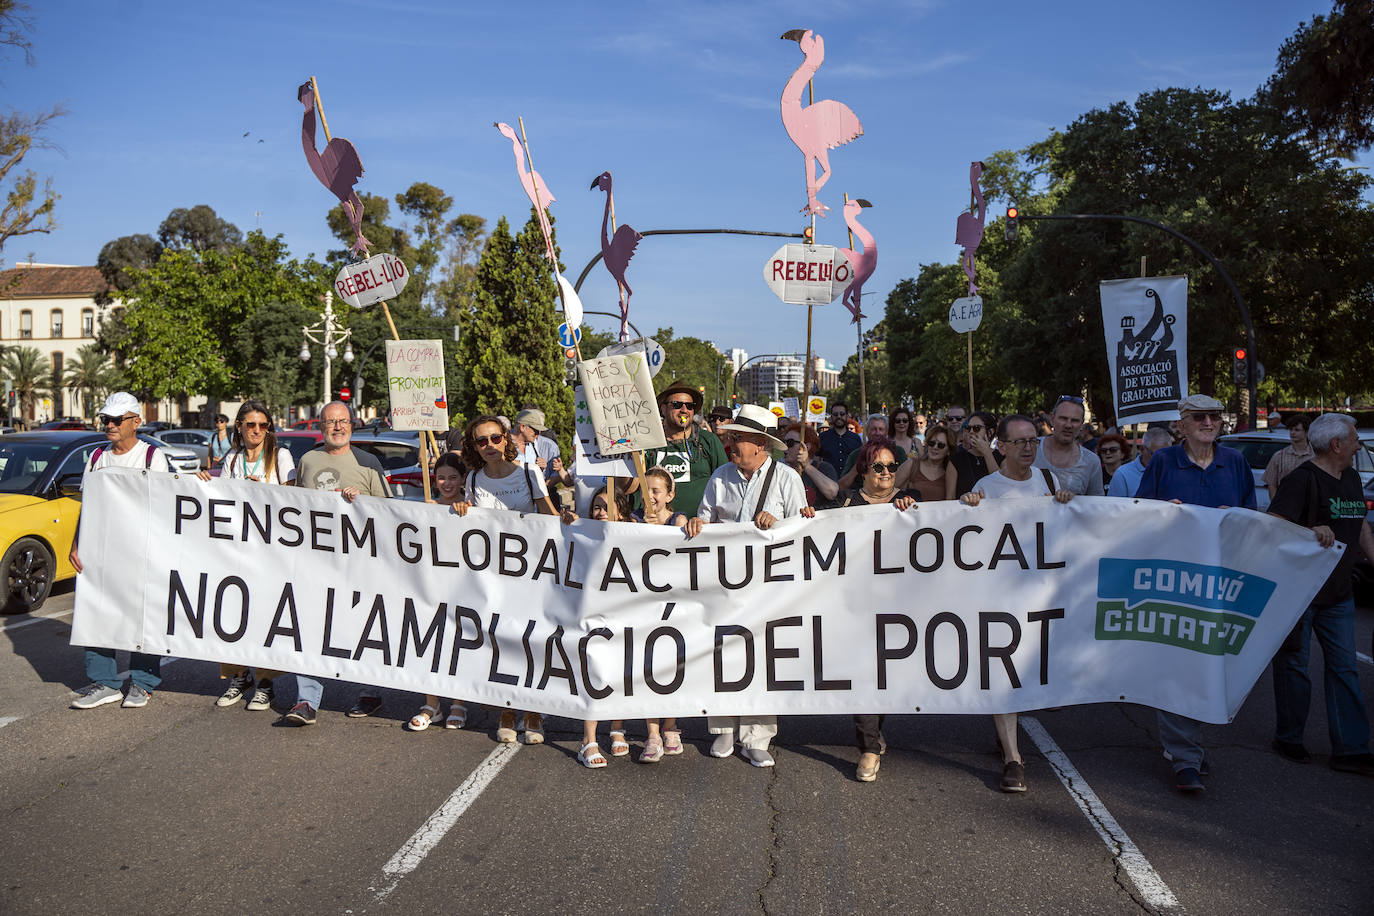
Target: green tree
[28, 373]
[28, 208]
[200, 229]
[696, 362]
[119, 258]
[89, 374]
[508, 345]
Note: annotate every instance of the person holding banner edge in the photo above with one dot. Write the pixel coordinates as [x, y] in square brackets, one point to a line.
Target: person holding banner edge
[499, 481]
[1198, 472]
[1016, 478]
[752, 487]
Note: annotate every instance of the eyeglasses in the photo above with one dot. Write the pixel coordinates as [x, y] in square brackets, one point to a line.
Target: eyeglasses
[1199, 415]
[792, 442]
[682, 405]
[1023, 443]
[938, 443]
[1071, 398]
[251, 424]
[106, 420]
[337, 423]
[878, 467]
[1109, 450]
[494, 439]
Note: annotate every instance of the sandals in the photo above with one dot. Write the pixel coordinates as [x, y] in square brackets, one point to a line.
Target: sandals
[590, 756]
[420, 721]
[457, 716]
[653, 750]
[672, 742]
[505, 729]
[534, 728]
[619, 746]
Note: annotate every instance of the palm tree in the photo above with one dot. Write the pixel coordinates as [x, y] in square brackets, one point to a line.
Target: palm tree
[89, 374]
[28, 373]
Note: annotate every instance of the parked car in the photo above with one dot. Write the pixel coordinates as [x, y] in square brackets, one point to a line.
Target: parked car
[40, 479]
[1261, 445]
[66, 423]
[298, 442]
[399, 456]
[179, 457]
[197, 440]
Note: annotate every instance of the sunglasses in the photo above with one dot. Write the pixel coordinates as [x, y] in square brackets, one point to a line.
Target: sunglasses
[682, 405]
[792, 442]
[1200, 415]
[878, 467]
[1071, 398]
[494, 439]
[901, 420]
[252, 424]
[955, 418]
[1109, 450]
[938, 443]
[975, 429]
[106, 420]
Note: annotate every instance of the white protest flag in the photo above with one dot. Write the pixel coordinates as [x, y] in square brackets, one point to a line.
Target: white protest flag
[1024, 604]
[1145, 320]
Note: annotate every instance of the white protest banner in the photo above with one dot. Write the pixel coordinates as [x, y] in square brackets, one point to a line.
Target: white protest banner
[415, 380]
[587, 459]
[380, 277]
[815, 409]
[1145, 320]
[808, 274]
[1023, 604]
[620, 400]
[791, 409]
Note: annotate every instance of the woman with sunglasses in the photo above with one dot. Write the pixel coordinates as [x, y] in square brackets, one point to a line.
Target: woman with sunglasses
[902, 431]
[803, 456]
[877, 485]
[448, 487]
[254, 455]
[1113, 451]
[931, 472]
[499, 481]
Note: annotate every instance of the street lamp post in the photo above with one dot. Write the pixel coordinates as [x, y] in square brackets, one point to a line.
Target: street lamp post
[325, 333]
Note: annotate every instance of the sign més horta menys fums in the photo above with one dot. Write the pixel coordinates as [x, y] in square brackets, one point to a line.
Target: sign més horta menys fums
[1008, 606]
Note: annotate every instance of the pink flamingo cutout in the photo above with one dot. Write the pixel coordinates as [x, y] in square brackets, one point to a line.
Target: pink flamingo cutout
[338, 169]
[969, 231]
[534, 186]
[617, 251]
[863, 264]
[818, 127]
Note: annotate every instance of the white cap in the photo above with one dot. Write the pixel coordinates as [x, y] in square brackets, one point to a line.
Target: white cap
[121, 403]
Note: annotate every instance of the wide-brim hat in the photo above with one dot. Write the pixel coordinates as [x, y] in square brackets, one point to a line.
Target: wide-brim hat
[755, 419]
[681, 387]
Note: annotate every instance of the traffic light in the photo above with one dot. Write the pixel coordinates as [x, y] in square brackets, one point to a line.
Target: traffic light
[1013, 223]
[569, 371]
[345, 393]
[809, 235]
[1238, 372]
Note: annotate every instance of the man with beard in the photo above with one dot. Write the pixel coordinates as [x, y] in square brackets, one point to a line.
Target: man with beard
[691, 454]
[838, 442]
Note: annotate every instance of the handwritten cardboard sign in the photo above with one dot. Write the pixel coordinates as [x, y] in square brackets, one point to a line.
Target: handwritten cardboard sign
[380, 277]
[966, 314]
[620, 398]
[588, 460]
[415, 379]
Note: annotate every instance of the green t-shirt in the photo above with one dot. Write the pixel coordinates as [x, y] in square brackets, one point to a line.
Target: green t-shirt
[690, 462]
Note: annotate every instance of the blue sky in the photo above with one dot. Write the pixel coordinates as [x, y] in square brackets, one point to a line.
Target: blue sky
[679, 101]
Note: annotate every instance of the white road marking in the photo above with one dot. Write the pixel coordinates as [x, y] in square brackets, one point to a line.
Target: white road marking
[414, 850]
[7, 720]
[1153, 891]
[39, 619]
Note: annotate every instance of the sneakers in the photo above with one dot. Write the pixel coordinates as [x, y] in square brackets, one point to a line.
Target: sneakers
[534, 728]
[93, 695]
[1014, 777]
[1363, 764]
[1204, 770]
[1291, 750]
[757, 756]
[867, 770]
[365, 707]
[262, 697]
[724, 745]
[505, 729]
[136, 697]
[300, 714]
[1188, 779]
[239, 685]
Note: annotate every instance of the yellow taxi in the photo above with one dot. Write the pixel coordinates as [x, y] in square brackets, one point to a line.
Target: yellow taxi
[40, 479]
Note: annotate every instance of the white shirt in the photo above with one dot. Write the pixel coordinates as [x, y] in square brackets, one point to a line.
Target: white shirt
[999, 486]
[136, 457]
[236, 466]
[541, 447]
[511, 492]
[730, 497]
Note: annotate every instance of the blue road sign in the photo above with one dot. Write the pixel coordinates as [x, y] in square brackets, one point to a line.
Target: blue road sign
[568, 337]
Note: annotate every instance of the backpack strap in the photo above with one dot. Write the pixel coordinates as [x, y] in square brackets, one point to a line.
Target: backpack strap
[95, 456]
[1050, 481]
[148, 456]
[763, 490]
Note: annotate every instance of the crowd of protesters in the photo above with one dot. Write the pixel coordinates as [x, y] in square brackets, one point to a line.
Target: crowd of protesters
[749, 466]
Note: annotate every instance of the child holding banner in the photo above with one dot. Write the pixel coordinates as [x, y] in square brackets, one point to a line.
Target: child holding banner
[448, 481]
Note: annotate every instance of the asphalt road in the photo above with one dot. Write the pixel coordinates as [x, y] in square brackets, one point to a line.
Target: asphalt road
[184, 808]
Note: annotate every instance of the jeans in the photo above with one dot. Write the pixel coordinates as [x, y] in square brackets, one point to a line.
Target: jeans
[309, 690]
[144, 670]
[1346, 719]
[1182, 739]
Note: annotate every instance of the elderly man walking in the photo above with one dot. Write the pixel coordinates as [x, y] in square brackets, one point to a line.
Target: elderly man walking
[752, 487]
[1325, 494]
[119, 418]
[1201, 473]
